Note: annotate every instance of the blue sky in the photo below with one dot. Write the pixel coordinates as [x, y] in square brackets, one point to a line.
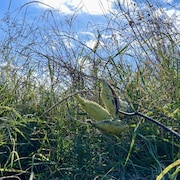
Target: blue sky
[89, 16]
[89, 12]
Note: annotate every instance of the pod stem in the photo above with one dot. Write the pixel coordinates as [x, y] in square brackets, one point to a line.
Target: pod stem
[174, 133]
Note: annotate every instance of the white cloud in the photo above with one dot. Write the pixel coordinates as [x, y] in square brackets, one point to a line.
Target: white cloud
[91, 43]
[174, 15]
[87, 33]
[94, 7]
[168, 1]
[58, 5]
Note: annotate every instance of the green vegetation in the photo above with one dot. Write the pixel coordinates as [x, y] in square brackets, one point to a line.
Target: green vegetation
[43, 131]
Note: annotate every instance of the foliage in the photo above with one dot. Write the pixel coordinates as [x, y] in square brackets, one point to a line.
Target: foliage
[43, 134]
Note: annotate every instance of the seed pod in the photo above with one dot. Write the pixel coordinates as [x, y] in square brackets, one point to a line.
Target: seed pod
[96, 111]
[110, 126]
[109, 98]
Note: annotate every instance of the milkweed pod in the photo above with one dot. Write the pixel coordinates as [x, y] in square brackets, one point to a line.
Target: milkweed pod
[96, 111]
[110, 126]
[123, 106]
[109, 98]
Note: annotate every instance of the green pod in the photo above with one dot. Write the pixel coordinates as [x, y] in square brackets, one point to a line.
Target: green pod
[96, 111]
[110, 126]
[109, 98]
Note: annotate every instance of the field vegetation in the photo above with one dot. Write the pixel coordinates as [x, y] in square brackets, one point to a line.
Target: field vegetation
[43, 131]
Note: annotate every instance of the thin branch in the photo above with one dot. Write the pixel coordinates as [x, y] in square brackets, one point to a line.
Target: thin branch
[152, 120]
[59, 102]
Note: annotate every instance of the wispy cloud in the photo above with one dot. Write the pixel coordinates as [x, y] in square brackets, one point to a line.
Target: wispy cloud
[174, 16]
[91, 43]
[94, 7]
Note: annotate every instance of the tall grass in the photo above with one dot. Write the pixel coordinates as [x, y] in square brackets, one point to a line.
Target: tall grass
[43, 134]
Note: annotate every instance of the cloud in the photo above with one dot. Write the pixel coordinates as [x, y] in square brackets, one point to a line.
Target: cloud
[169, 15]
[168, 1]
[174, 16]
[91, 44]
[94, 7]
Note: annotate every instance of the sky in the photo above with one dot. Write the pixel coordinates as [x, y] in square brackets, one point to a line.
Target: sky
[88, 12]
[83, 20]
[93, 7]
[88, 16]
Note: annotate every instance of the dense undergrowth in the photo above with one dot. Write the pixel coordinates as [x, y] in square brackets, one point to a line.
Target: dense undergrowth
[43, 134]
